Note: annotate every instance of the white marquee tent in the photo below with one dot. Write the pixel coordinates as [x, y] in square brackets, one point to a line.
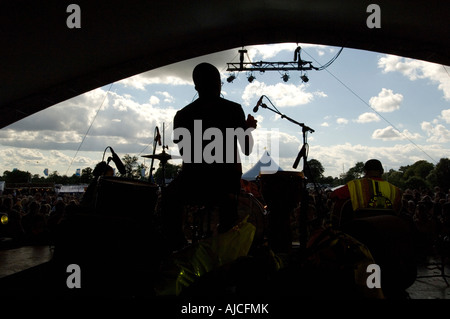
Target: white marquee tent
[266, 164]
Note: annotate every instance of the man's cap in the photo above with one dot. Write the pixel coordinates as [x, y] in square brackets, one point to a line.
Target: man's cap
[373, 165]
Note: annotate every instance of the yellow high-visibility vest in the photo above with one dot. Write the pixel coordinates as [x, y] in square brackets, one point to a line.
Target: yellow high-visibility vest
[371, 193]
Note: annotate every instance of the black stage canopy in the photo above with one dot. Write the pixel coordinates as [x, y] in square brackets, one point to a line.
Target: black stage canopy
[44, 62]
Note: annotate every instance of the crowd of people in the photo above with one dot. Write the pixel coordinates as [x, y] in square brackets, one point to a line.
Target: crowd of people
[33, 218]
[426, 211]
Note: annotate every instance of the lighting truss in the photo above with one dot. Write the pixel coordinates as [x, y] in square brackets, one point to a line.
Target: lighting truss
[270, 66]
[262, 66]
[297, 65]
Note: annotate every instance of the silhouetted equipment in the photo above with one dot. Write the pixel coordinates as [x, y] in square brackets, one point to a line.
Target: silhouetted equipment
[282, 193]
[255, 109]
[125, 198]
[118, 162]
[163, 156]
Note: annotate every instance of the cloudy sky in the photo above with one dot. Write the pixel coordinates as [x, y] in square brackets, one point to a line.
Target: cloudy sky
[364, 105]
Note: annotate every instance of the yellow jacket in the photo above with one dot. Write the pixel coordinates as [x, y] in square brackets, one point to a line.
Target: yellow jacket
[374, 193]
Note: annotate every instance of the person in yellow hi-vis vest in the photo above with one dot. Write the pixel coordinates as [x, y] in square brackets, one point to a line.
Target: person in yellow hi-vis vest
[369, 192]
[367, 209]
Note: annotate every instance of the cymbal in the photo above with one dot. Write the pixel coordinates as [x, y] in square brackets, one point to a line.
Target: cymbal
[162, 156]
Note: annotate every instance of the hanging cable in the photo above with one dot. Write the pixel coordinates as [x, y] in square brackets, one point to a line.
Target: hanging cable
[445, 69]
[326, 65]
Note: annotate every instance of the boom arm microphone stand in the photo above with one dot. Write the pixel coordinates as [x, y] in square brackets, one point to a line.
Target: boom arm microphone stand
[302, 154]
[305, 129]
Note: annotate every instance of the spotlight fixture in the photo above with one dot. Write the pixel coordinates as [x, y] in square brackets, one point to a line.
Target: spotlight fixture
[304, 78]
[231, 78]
[285, 77]
[250, 78]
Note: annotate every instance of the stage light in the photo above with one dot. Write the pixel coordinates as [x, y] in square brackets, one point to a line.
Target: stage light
[251, 78]
[231, 78]
[304, 78]
[285, 77]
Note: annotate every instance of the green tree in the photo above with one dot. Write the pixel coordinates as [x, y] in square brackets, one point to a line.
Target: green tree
[394, 177]
[416, 182]
[131, 166]
[354, 172]
[74, 179]
[171, 171]
[440, 175]
[54, 178]
[314, 170]
[86, 175]
[16, 176]
[420, 169]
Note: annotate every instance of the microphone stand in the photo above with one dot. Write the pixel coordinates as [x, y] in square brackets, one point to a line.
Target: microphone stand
[304, 201]
[154, 150]
[305, 129]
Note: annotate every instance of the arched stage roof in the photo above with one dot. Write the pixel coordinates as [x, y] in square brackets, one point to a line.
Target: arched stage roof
[43, 62]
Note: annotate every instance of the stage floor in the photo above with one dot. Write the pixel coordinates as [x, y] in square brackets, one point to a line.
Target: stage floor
[16, 260]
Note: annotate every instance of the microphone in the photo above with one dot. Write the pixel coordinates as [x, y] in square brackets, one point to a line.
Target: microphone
[299, 156]
[118, 162]
[158, 136]
[255, 109]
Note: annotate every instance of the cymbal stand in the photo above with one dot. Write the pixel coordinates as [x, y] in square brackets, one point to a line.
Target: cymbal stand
[164, 159]
[156, 140]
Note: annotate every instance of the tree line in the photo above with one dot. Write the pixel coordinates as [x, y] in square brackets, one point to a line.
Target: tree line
[420, 175]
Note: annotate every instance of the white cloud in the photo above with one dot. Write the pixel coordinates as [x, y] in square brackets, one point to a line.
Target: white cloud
[391, 134]
[386, 101]
[268, 51]
[154, 100]
[120, 122]
[436, 133]
[367, 118]
[325, 124]
[281, 94]
[167, 97]
[140, 81]
[341, 121]
[445, 115]
[415, 69]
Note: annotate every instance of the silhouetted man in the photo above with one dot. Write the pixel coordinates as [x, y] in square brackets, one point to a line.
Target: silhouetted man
[207, 132]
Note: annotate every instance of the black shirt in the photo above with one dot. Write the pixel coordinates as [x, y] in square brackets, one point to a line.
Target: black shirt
[210, 158]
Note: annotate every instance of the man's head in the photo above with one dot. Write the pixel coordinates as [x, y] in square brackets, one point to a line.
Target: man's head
[207, 80]
[103, 169]
[373, 168]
